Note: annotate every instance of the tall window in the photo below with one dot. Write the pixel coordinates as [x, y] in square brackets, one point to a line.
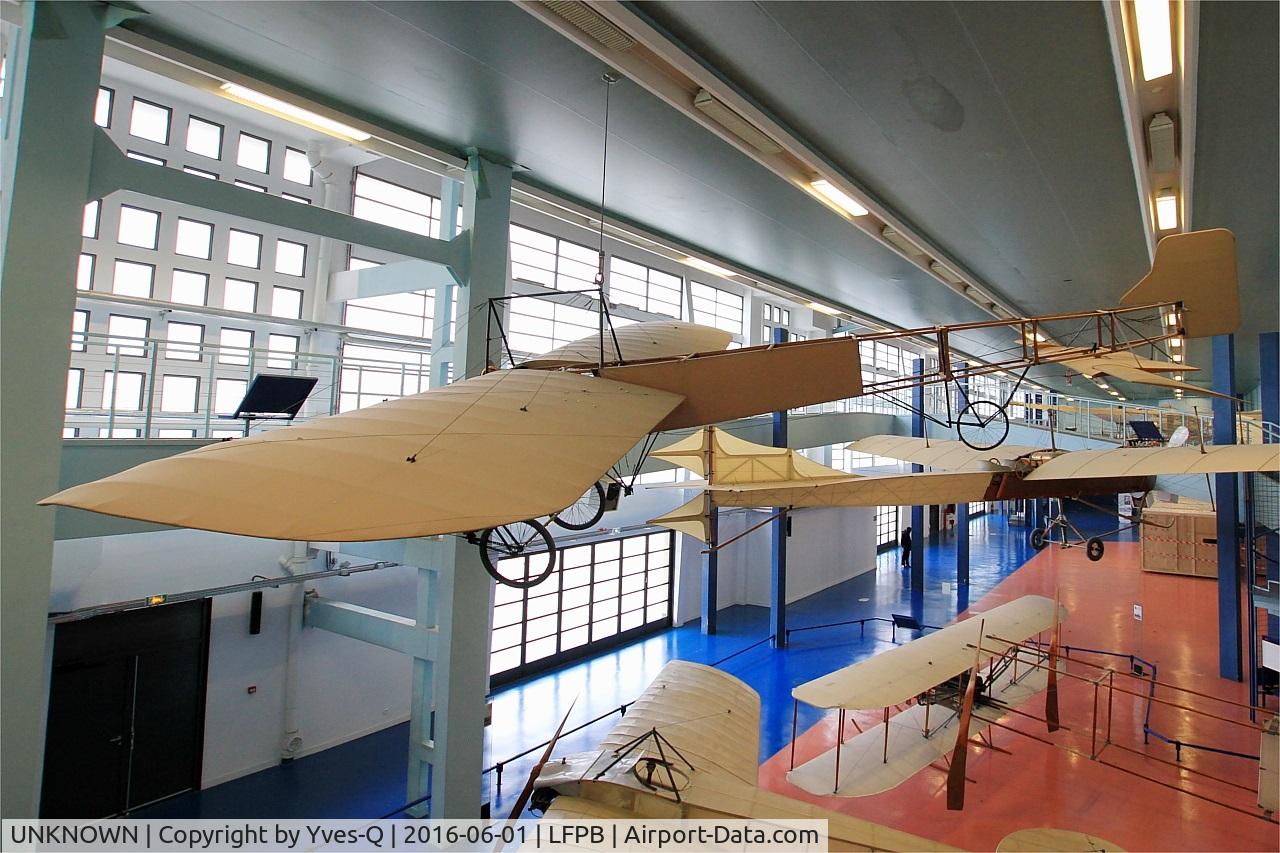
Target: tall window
[551, 261]
[398, 207]
[715, 307]
[601, 594]
[373, 374]
[538, 325]
[886, 526]
[644, 287]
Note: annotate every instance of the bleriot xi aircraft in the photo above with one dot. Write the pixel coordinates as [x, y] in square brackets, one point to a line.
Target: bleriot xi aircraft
[494, 452]
[739, 473]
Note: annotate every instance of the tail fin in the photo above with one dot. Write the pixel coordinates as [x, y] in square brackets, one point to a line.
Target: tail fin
[1197, 269]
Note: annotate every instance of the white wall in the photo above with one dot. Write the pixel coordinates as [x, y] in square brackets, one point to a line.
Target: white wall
[346, 688]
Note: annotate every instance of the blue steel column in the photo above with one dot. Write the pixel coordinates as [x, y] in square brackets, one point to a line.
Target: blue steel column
[778, 561]
[53, 70]
[711, 572]
[1228, 493]
[917, 512]
[962, 508]
[1269, 373]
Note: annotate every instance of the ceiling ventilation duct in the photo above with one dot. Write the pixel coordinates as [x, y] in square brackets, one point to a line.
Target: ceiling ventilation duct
[723, 115]
[948, 276]
[590, 22]
[893, 236]
[1160, 137]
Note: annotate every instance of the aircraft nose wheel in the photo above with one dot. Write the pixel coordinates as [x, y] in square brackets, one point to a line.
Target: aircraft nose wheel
[521, 554]
[1037, 538]
[1093, 549]
[982, 424]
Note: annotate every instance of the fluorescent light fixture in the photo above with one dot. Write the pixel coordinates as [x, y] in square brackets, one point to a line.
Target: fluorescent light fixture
[1175, 342]
[825, 309]
[1166, 211]
[1039, 338]
[1122, 400]
[895, 238]
[707, 266]
[286, 110]
[1155, 37]
[1179, 377]
[838, 196]
[1102, 385]
[1171, 319]
[1177, 356]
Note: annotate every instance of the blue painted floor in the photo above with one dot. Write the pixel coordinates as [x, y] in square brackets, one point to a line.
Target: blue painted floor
[365, 778]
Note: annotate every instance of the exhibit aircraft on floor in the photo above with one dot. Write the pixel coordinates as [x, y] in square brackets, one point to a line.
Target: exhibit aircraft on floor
[933, 670]
[495, 452]
[688, 748]
[739, 473]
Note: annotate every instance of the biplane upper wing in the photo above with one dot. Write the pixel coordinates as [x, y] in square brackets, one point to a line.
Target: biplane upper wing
[947, 454]
[908, 670]
[636, 342]
[1157, 461]
[444, 461]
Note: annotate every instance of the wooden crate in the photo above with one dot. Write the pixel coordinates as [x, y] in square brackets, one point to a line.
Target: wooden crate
[1184, 543]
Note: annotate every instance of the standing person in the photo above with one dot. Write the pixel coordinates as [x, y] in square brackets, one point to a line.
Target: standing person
[905, 542]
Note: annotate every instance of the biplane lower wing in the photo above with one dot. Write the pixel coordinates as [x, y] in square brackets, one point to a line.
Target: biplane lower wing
[1159, 461]
[872, 490]
[437, 462]
[905, 671]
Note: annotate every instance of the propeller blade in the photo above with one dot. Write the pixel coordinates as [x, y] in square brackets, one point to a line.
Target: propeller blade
[955, 775]
[1051, 692]
[527, 792]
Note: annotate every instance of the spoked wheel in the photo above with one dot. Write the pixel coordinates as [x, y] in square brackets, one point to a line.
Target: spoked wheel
[1093, 549]
[584, 512]
[521, 554]
[982, 425]
[1038, 540]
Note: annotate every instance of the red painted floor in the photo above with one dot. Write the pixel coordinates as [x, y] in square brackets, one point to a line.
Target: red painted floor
[1132, 803]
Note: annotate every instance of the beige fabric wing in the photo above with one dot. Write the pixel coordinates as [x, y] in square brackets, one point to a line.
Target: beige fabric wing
[502, 447]
[909, 670]
[947, 454]
[692, 518]
[872, 490]
[710, 716]
[1157, 461]
[639, 341]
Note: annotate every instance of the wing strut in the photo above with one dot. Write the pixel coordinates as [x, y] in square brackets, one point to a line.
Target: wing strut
[955, 775]
[523, 799]
[1051, 692]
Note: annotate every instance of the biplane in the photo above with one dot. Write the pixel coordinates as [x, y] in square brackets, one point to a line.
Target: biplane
[932, 676]
[687, 749]
[738, 473]
[490, 455]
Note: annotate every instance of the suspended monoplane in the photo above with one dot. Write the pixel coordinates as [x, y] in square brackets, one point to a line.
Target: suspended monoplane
[518, 444]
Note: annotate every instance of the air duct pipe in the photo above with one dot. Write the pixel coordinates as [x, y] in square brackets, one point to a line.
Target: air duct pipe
[326, 173]
[291, 740]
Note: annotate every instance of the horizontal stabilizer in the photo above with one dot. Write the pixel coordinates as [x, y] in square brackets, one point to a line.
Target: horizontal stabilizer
[1157, 461]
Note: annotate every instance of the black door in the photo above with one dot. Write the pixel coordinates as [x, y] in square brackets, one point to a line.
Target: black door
[126, 710]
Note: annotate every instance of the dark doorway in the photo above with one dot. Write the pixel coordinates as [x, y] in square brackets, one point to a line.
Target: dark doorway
[126, 710]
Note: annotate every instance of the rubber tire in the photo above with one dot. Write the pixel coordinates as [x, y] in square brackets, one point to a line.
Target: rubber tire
[498, 543]
[971, 439]
[593, 498]
[1037, 538]
[1093, 549]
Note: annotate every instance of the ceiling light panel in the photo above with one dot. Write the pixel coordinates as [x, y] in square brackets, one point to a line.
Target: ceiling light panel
[1155, 38]
[292, 112]
[839, 197]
